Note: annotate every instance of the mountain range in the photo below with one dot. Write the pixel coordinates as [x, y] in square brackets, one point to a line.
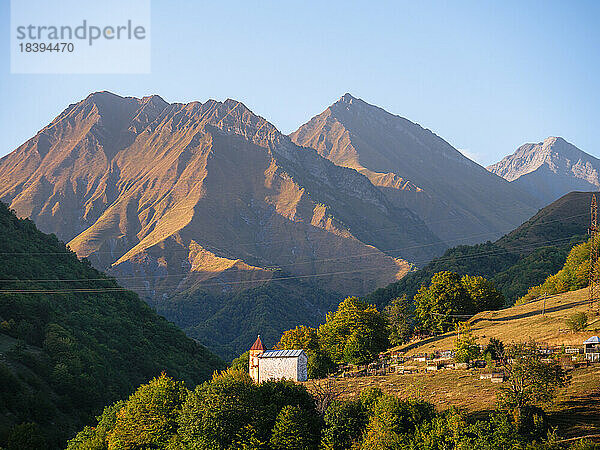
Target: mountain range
[199, 192]
[231, 228]
[549, 169]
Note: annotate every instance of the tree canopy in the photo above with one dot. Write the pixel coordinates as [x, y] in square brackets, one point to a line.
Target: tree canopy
[307, 338]
[450, 297]
[355, 333]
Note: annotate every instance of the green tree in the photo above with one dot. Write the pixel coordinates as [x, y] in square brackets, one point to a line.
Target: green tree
[355, 333]
[95, 438]
[444, 298]
[345, 422]
[306, 338]
[26, 436]
[215, 412]
[573, 275]
[294, 429]
[577, 322]
[149, 417]
[531, 381]
[465, 345]
[444, 431]
[451, 430]
[399, 320]
[247, 439]
[368, 397]
[301, 337]
[391, 419]
[495, 349]
[242, 362]
[483, 293]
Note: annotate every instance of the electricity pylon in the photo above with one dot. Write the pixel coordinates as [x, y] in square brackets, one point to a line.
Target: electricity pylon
[593, 231]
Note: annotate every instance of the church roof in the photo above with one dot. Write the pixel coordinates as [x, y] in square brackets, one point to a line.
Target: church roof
[258, 345]
[281, 354]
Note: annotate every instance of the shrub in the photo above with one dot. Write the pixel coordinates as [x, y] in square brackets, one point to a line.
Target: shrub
[577, 322]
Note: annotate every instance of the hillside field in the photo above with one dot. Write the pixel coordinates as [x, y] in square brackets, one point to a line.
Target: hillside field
[522, 323]
[576, 409]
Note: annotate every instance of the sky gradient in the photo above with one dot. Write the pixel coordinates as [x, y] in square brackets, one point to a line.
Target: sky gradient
[486, 76]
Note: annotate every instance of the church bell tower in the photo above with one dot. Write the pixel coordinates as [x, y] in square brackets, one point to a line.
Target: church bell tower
[256, 349]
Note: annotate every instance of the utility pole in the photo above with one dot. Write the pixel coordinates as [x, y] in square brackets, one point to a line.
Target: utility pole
[544, 310]
[593, 232]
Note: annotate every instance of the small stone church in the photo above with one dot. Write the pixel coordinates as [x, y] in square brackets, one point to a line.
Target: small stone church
[276, 364]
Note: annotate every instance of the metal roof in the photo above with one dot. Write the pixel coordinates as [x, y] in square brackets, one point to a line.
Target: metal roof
[281, 354]
[592, 340]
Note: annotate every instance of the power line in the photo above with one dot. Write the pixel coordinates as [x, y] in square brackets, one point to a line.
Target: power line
[280, 267]
[490, 233]
[112, 289]
[147, 288]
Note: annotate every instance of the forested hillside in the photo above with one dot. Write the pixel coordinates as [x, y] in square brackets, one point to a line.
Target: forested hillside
[72, 340]
[266, 310]
[515, 262]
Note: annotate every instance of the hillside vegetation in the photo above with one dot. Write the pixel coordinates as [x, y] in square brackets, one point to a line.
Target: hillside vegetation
[521, 323]
[231, 412]
[69, 347]
[576, 409]
[523, 258]
[266, 310]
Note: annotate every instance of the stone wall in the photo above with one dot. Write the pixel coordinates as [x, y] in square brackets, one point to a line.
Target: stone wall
[278, 368]
[302, 367]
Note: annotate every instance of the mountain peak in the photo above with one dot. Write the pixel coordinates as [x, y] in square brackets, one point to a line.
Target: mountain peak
[412, 166]
[103, 93]
[347, 98]
[103, 97]
[154, 98]
[550, 169]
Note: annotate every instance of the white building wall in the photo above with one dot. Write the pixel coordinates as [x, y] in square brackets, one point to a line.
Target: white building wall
[302, 366]
[278, 368]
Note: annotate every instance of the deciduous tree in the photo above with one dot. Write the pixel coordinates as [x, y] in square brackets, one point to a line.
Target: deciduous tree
[399, 320]
[531, 381]
[355, 333]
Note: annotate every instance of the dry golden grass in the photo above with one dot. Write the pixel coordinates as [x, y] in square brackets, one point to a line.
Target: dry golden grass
[522, 323]
[576, 410]
[446, 388]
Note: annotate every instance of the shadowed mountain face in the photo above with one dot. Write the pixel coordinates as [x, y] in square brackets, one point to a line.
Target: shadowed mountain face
[549, 169]
[174, 198]
[458, 199]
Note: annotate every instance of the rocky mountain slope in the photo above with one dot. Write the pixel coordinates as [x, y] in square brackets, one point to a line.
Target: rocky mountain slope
[182, 198]
[457, 198]
[549, 169]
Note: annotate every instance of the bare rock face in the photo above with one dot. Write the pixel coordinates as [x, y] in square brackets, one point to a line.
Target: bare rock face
[457, 198]
[173, 197]
[549, 169]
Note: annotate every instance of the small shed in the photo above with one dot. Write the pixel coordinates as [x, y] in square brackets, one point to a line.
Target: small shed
[591, 348]
[280, 364]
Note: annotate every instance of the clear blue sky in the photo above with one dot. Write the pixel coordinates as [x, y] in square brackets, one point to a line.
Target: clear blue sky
[486, 76]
